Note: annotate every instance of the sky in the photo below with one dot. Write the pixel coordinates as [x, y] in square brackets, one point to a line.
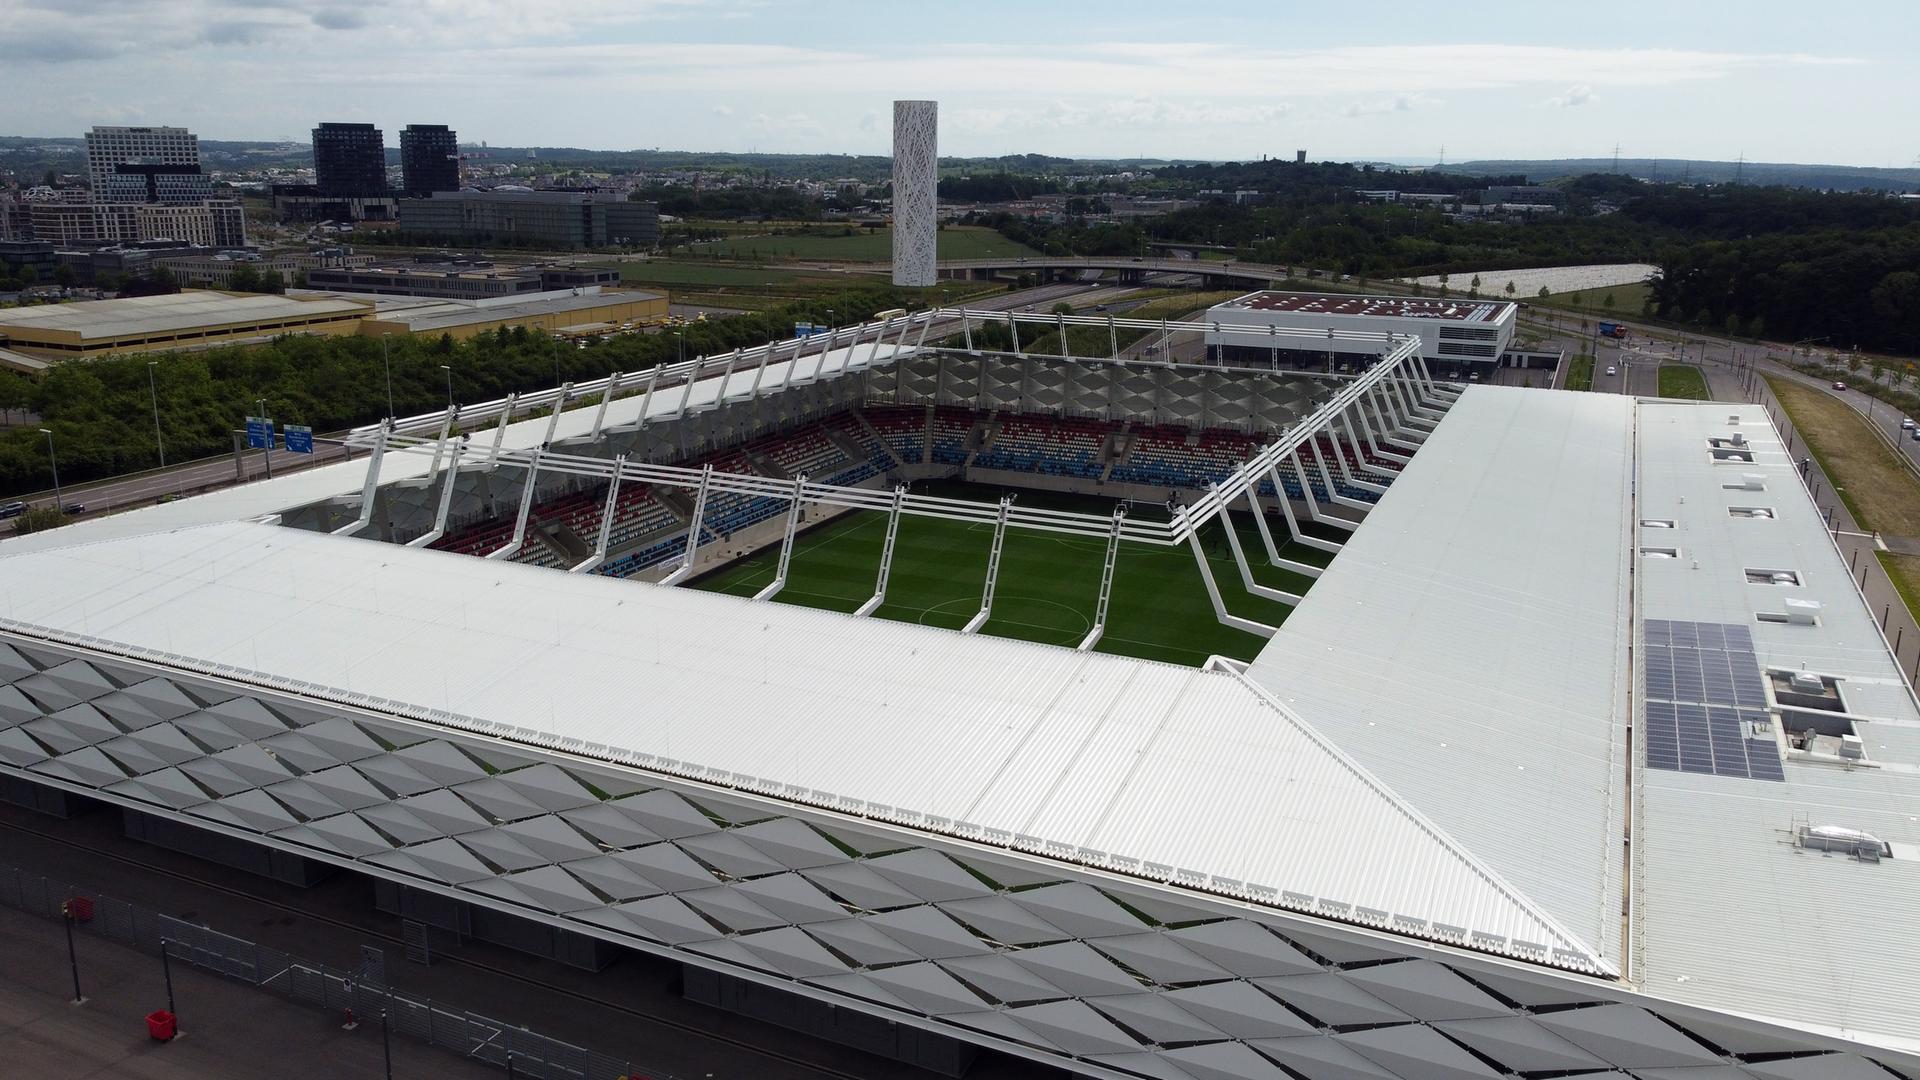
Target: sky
[1220, 80]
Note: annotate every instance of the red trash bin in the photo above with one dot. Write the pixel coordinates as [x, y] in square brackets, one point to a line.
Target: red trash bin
[160, 1025]
[81, 908]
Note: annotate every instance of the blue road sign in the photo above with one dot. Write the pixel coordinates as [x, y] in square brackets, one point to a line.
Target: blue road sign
[299, 439]
[259, 433]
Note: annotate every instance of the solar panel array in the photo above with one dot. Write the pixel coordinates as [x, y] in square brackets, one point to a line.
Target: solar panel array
[1703, 691]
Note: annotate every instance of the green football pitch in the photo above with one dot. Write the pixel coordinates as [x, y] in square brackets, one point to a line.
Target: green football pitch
[1049, 585]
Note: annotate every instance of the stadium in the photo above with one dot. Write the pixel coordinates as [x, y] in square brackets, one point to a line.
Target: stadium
[1144, 719]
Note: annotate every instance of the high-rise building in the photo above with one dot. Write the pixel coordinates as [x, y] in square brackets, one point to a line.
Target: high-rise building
[350, 160]
[109, 147]
[429, 159]
[140, 182]
[559, 219]
[916, 181]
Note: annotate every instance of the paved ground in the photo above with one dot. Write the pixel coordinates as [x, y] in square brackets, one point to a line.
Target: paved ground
[228, 1030]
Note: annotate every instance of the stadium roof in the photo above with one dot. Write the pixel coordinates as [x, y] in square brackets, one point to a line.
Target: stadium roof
[423, 315]
[142, 315]
[1469, 644]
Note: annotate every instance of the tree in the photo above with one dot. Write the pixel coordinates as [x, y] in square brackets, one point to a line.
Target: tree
[243, 278]
[1543, 293]
[1063, 308]
[1607, 302]
[38, 519]
[63, 276]
[1510, 287]
[1853, 364]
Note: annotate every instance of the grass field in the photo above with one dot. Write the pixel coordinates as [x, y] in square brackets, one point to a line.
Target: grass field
[1878, 489]
[1048, 586]
[754, 288]
[1904, 572]
[1683, 381]
[1579, 373]
[954, 242]
[1627, 300]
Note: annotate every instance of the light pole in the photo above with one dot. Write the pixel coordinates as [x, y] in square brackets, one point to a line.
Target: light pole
[59, 503]
[387, 367]
[154, 390]
[449, 370]
[266, 452]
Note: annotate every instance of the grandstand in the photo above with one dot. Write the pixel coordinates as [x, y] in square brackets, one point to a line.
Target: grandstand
[1525, 774]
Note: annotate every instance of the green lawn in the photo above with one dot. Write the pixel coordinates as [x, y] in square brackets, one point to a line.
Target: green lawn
[833, 242]
[1048, 586]
[1627, 301]
[1579, 373]
[1683, 381]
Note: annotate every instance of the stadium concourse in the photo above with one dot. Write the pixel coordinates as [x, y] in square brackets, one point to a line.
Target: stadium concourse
[1574, 754]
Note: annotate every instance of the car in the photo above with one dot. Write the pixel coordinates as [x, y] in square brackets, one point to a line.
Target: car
[1611, 370]
[1914, 434]
[12, 510]
[1103, 307]
[1906, 423]
[1838, 385]
[74, 509]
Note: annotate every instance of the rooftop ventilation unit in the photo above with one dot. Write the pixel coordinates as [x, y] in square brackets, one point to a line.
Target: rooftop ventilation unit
[1803, 612]
[1749, 482]
[1738, 439]
[1733, 420]
[1861, 845]
[1806, 682]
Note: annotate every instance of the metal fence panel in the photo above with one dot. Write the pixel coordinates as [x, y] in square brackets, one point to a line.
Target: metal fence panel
[535, 1056]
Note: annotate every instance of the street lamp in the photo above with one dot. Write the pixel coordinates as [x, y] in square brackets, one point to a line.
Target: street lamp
[58, 502]
[449, 370]
[387, 367]
[266, 452]
[154, 390]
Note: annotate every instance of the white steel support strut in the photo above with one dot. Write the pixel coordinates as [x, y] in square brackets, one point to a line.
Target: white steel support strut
[646, 400]
[553, 422]
[1246, 571]
[786, 543]
[693, 529]
[593, 561]
[1266, 534]
[1099, 626]
[993, 570]
[1014, 325]
[1398, 434]
[372, 488]
[506, 417]
[440, 445]
[1306, 489]
[686, 390]
[512, 547]
[1357, 475]
[966, 330]
[600, 414]
[1294, 530]
[886, 554]
[446, 500]
[878, 337]
[1379, 435]
[1220, 611]
[1333, 490]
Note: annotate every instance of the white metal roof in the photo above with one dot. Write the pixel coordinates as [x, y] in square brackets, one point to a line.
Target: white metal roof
[1195, 771]
[1468, 645]
[154, 314]
[1731, 914]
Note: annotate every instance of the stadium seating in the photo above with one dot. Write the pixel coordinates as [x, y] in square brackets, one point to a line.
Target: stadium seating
[904, 430]
[950, 430]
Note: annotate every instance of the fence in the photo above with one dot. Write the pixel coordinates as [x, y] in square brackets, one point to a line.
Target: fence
[519, 1051]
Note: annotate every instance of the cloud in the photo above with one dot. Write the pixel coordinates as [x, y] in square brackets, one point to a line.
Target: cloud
[1398, 104]
[869, 121]
[339, 19]
[723, 109]
[1575, 95]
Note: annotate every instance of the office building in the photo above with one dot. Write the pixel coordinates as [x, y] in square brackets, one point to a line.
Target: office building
[429, 159]
[461, 279]
[548, 219]
[916, 185]
[349, 161]
[108, 147]
[1468, 336]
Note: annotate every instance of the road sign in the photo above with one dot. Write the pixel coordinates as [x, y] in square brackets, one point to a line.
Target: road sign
[259, 433]
[807, 329]
[299, 439]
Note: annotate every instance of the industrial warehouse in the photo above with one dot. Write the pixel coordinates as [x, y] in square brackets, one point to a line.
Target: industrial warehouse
[1578, 746]
[33, 337]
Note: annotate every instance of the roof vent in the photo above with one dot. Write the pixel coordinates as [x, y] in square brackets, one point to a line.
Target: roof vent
[1749, 482]
[1852, 748]
[1733, 420]
[1861, 845]
[1739, 439]
[1803, 612]
[1806, 682]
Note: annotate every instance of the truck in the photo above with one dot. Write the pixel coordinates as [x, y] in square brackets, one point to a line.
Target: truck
[1613, 330]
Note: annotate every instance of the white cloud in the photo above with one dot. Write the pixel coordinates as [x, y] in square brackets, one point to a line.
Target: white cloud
[1575, 96]
[1399, 103]
[723, 109]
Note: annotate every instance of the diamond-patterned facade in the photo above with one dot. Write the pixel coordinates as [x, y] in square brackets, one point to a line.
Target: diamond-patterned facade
[1056, 967]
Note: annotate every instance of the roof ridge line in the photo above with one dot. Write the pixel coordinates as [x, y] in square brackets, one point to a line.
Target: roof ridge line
[1453, 847]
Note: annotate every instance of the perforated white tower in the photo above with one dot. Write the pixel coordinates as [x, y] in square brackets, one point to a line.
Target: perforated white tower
[916, 179]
